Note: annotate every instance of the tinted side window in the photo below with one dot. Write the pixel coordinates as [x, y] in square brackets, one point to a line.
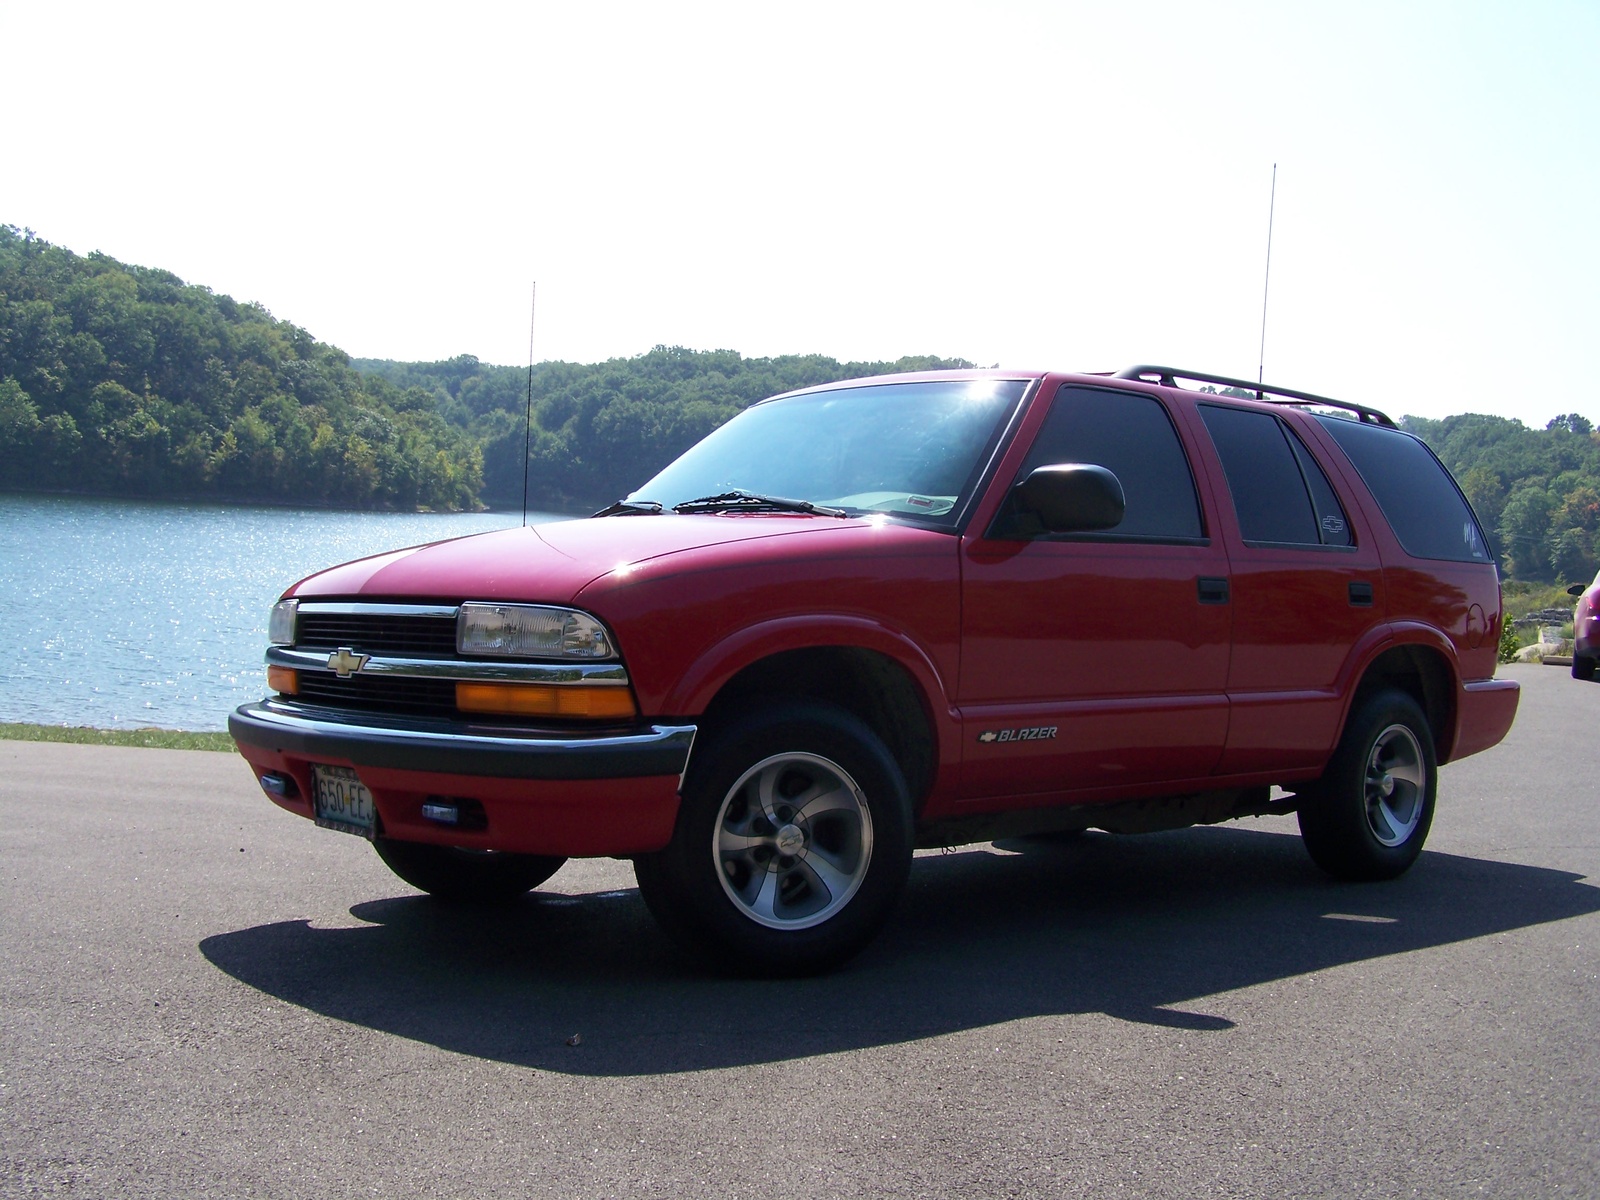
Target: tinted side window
[1279, 492]
[1419, 499]
[1331, 520]
[1268, 492]
[1132, 436]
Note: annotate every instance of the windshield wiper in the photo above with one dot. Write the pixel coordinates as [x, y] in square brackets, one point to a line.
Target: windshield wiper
[630, 508]
[742, 501]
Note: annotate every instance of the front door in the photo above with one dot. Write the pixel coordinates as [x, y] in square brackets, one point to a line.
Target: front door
[1094, 661]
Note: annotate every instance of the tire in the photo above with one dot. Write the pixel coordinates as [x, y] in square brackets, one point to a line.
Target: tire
[792, 845]
[1368, 816]
[461, 876]
[1582, 667]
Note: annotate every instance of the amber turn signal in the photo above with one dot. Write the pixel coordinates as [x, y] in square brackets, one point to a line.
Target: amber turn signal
[544, 700]
[283, 680]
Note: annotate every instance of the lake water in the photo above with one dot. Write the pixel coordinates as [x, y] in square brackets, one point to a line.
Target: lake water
[122, 614]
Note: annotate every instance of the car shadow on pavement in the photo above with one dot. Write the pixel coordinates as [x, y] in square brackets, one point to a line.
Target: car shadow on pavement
[1143, 929]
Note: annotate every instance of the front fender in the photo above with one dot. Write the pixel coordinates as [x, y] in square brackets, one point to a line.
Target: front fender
[711, 670]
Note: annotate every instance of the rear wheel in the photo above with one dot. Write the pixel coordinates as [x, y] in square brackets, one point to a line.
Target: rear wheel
[1582, 667]
[792, 845]
[466, 876]
[1368, 816]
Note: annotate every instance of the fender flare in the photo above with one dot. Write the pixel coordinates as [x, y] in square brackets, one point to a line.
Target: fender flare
[712, 670]
[1398, 635]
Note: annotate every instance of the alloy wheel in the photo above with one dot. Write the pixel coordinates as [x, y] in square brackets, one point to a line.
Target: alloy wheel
[1396, 785]
[793, 841]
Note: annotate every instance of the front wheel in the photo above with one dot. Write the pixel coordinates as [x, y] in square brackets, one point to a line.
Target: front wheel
[463, 876]
[1582, 667]
[792, 845]
[1368, 816]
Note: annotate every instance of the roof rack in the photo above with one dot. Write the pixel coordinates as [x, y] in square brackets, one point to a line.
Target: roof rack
[1168, 377]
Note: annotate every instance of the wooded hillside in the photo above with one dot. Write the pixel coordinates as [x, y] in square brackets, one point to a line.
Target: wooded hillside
[125, 380]
[1536, 490]
[601, 430]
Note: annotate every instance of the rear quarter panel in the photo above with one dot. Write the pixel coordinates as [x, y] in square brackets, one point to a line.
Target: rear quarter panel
[1451, 607]
[1459, 599]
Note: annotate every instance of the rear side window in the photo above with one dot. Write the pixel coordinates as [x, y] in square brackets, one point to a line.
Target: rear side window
[1279, 492]
[1132, 436]
[1419, 499]
[1332, 523]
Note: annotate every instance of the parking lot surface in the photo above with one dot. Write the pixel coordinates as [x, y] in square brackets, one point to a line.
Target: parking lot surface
[203, 995]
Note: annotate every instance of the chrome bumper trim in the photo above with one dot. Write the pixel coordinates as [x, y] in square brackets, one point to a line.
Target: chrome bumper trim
[462, 747]
[606, 674]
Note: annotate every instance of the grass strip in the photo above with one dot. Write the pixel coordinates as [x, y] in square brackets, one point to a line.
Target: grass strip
[159, 739]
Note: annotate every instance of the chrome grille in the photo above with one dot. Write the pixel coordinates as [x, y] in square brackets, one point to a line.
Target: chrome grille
[410, 665]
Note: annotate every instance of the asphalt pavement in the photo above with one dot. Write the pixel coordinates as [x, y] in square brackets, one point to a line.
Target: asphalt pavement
[201, 995]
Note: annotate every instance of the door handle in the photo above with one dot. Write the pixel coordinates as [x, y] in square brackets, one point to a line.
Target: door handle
[1360, 594]
[1212, 590]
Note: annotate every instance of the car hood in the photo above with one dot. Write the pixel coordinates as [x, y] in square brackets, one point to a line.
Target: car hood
[550, 563]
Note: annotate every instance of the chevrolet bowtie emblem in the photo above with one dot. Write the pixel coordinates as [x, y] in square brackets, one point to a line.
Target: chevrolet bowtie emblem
[345, 662]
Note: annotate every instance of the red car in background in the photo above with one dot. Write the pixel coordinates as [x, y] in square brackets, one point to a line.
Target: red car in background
[1585, 629]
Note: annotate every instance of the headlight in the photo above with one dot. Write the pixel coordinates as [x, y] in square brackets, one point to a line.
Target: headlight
[528, 631]
[280, 625]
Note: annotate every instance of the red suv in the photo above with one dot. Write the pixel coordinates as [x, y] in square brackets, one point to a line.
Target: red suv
[909, 611]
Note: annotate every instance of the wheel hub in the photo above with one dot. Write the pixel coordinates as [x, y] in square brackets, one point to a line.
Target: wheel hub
[1397, 781]
[791, 839]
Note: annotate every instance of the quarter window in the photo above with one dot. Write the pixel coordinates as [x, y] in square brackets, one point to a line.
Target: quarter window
[1332, 523]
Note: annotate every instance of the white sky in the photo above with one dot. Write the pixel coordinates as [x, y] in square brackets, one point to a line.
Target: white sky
[1074, 185]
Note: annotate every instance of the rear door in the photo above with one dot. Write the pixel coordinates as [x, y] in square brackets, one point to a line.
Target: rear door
[1307, 590]
[1094, 661]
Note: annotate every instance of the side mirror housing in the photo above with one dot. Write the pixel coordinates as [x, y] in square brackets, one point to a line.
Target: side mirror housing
[1071, 498]
[1576, 589]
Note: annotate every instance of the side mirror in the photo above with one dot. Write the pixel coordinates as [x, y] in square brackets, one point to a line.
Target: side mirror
[1576, 589]
[1071, 498]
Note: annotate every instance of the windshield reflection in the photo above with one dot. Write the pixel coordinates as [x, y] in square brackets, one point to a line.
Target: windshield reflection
[904, 449]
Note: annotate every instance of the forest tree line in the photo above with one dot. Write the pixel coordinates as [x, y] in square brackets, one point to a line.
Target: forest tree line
[124, 380]
[127, 381]
[600, 430]
[1537, 491]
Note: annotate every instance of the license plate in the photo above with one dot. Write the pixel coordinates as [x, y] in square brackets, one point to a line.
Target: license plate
[343, 802]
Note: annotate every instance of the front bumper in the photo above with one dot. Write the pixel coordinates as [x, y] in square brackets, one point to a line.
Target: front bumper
[462, 747]
[542, 790]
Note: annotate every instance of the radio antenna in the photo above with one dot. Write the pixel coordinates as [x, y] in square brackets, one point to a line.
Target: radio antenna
[527, 423]
[1272, 204]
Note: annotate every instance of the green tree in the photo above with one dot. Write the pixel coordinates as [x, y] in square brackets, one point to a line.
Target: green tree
[1574, 525]
[1485, 493]
[1525, 532]
[19, 428]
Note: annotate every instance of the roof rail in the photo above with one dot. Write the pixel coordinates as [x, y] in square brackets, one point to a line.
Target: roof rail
[1168, 377]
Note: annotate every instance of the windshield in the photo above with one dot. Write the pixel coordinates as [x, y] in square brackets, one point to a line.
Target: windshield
[908, 449]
